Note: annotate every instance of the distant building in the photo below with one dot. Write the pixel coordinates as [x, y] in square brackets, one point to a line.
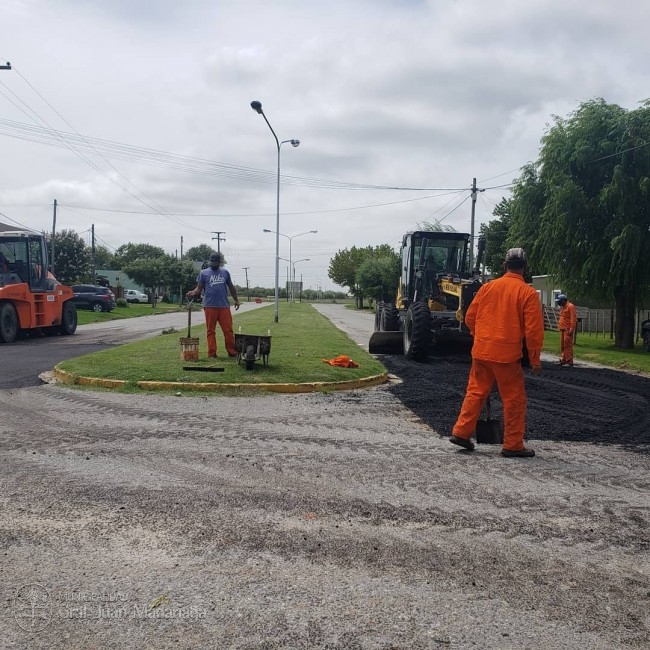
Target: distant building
[117, 280]
[545, 287]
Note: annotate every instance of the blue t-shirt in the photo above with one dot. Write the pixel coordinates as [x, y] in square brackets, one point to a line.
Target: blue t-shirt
[215, 287]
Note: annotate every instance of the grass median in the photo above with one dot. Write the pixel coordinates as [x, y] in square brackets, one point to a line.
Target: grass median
[601, 350]
[299, 342]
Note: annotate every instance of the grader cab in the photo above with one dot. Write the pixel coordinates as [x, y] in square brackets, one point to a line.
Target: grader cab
[435, 289]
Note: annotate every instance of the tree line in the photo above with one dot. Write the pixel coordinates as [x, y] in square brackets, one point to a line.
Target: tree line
[581, 210]
[147, 265]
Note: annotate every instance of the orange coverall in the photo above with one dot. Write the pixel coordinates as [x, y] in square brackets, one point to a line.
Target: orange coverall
[221, 315]
[502, 313]
[567, 325]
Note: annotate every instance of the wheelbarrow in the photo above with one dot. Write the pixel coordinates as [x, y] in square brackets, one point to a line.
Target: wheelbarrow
[251, 348]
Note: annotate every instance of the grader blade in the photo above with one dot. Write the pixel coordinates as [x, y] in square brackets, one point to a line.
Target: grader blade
[386, 343]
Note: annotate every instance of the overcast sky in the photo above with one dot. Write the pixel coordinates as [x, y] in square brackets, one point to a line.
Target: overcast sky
[414, 94]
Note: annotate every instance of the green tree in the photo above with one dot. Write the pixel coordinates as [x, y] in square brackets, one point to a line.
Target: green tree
[435, 226]
[72, 257]
[152, 273]
[104, 259]
[179, 275]
[378, 276]
[584, 207]
[343, 269]
[345, 264]
[129, 253]
[199, 253]
[496, 237]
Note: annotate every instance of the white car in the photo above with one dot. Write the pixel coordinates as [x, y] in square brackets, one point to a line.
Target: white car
[132, 295]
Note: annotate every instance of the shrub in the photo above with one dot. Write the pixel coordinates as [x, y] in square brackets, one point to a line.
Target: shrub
[121, 302]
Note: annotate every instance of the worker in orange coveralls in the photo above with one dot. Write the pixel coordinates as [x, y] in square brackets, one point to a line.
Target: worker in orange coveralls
[567, 326]
[502, 314]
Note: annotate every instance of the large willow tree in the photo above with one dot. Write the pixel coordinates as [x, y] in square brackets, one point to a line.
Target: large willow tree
[583, 209]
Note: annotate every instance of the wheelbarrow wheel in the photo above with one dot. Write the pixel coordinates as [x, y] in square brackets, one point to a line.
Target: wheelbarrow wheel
[250, 357]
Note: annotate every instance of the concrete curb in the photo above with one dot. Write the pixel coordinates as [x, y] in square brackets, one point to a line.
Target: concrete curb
[64, 377]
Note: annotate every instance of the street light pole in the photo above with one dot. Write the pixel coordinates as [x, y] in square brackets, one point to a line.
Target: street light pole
[248, 295]
[257, 107]
[293, 281]
[291, 238]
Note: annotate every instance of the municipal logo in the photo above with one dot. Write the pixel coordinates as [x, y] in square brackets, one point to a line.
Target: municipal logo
[32, 607]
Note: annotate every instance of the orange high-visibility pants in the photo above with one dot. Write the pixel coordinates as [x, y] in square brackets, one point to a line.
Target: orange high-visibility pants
[510, 382]
[566, 346]
[221, 315]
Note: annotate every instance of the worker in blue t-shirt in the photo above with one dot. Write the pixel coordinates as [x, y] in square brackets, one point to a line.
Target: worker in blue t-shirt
[215, 282]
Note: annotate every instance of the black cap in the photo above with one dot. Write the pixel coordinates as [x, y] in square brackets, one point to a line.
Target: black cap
[215, 257]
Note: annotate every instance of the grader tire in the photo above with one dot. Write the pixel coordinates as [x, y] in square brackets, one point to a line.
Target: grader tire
[417, 331]
[378, 316]
[389, 318]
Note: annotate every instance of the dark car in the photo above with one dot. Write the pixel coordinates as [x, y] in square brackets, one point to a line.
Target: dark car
[87, 296]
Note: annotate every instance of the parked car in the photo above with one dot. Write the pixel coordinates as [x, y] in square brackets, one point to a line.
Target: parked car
[87, 296]
[133, 295]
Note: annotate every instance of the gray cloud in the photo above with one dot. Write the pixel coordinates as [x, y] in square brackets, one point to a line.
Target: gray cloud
[417, 94]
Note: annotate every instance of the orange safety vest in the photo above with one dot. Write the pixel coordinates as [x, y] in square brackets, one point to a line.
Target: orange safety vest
[568, 318]
[502, 313]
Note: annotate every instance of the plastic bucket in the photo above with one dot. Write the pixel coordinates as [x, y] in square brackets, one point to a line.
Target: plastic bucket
[190, 349]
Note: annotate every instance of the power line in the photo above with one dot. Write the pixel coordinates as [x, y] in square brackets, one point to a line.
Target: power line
[456, 208]
[22, 225]
[74, 150]
[269, 214]
[186, 163]
[620, 153]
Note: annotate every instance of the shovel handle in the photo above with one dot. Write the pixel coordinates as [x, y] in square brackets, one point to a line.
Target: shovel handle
[189, 318]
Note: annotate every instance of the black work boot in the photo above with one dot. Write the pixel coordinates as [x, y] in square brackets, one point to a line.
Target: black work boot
[522, 453]
[462, 442]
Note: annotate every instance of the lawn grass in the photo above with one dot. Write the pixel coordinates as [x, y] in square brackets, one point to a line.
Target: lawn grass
[601, 350]
[86, 316]
[299, 343]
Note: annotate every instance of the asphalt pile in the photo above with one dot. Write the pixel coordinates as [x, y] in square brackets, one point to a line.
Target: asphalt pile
[578, 404]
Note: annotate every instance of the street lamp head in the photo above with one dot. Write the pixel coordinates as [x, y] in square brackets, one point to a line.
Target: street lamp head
[295, 143]
[266, 230]
[257, 107]
[314, 231]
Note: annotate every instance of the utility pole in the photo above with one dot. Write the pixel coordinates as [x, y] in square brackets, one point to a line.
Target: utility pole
[248, 295]
[53, 235]
[475, 191]
[181, 247]
[92, 253]
[219, 239]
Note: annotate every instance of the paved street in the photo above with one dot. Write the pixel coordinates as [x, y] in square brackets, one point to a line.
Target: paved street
[339, 520]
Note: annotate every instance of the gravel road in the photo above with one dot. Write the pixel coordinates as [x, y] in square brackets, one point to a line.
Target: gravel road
[340, 520]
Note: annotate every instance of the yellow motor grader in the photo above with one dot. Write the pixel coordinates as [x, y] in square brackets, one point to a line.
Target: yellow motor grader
[435, 289]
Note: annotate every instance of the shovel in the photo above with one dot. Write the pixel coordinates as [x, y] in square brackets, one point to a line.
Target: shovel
[489, 431]
[189, 345]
